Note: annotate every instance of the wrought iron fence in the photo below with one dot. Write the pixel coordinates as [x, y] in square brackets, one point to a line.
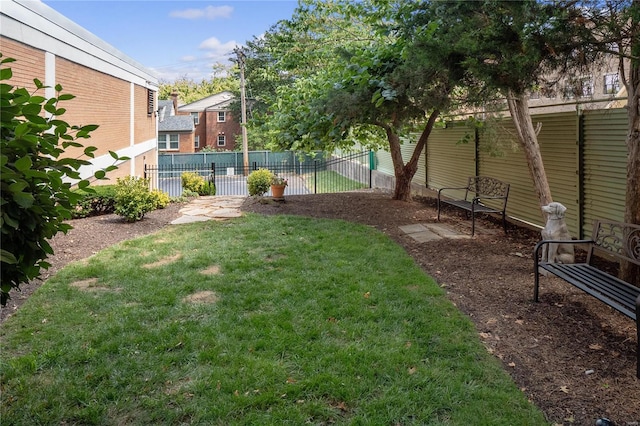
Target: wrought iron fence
[303, 177]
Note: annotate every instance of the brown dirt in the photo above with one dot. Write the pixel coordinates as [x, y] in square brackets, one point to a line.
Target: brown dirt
[571, 355]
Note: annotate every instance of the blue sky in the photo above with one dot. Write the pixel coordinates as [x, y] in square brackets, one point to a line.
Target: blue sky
[176, 38]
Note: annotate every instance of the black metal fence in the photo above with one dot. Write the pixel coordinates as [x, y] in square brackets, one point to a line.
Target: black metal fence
[309, 177]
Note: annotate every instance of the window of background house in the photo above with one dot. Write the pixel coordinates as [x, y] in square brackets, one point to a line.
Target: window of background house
[196, 142]
[174, 142]
[162, 142]
[221, 116]
[611, 84]
[222, 140]
[196, 118]
[169, 142]
[586, 87]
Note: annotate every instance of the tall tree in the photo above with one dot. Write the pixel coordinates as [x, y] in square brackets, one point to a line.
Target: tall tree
[364, 86]
[223, 79]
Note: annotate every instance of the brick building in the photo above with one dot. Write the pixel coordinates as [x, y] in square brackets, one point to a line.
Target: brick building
[215, 125]
[111, 89]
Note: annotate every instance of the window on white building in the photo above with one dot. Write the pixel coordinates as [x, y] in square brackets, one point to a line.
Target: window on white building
[611, 84]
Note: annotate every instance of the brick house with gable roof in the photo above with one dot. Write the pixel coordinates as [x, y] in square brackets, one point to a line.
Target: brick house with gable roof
[215, 125]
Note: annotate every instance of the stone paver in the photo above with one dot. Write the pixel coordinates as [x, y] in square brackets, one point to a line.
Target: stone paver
[424, 232]
[210, 208]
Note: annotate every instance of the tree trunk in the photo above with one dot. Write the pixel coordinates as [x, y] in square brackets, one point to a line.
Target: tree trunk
[404, 173]
[519, 108]
[628, 271]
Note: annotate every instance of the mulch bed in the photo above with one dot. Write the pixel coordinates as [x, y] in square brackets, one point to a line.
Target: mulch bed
[570, 354]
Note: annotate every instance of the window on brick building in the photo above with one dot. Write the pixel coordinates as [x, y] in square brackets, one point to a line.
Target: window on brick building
[169, 142]
[222, 140]
[222, 116]
[196, 142]
[196, 118]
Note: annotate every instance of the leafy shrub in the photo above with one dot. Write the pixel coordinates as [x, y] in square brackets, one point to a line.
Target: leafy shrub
[187, 193]
[259, 181]
[209, 188]
[36, 179]
[197, 184]
[102, 200]
[192, 181]
[160, 199]
[133, 198]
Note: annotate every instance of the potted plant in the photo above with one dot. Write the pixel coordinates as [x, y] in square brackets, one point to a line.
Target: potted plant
[278, 184]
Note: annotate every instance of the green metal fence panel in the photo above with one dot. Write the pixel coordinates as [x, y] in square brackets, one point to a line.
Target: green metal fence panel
[604, 158]
[451, 153]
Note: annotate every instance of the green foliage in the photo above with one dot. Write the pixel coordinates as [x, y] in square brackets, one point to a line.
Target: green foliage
[259, 181]
[197, 184]
[133, 198]
[190, 91]
[160, 199]
[100, 200]
[192, 181]
[36, 177]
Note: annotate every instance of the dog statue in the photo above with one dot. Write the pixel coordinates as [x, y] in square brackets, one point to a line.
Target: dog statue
[556, 229]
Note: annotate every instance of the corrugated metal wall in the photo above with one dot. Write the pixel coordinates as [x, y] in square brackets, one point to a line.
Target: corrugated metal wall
[450, 161]
[584, 158]
[604, 168]
[558, 145]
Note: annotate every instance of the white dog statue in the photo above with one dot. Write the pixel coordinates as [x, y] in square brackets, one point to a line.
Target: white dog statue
[556, 229]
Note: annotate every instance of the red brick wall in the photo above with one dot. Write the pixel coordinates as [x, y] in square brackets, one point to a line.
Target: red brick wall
[100, 99]
[29, 63]
[144, 124]
[230, 128]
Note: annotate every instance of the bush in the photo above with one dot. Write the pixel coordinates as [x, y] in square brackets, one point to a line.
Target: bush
[195, 183]
[95, 203]
[192, 181]
[36, 178]
[209, 188]
[259, 181]
[133, 198]
[160, 199]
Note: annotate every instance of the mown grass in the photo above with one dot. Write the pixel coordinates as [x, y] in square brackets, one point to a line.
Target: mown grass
[257, 321]
[328, 181]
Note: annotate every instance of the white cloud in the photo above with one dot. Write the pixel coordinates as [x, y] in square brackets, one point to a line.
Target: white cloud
[189, 58]
[216, 47]
[209, 12]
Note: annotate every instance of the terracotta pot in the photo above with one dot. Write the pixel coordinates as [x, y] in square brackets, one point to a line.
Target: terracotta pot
[277, 191]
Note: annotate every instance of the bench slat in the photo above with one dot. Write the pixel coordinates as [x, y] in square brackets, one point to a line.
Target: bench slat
[614, 292]
[466, 205]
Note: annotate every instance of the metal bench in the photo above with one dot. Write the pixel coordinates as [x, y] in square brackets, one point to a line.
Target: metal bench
[616, 240]
[478, 190]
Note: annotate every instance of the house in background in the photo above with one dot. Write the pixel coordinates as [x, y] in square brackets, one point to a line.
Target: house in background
[215, 126]
[111, 89]
[175, 132]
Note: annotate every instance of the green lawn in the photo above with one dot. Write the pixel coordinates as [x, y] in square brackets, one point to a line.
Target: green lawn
[256, 321]
[328, 181]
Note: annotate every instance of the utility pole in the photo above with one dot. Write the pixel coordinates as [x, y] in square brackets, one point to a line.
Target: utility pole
[243, 107]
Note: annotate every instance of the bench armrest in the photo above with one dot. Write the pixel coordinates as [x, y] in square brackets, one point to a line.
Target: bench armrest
[536, 249]
[452, 188]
